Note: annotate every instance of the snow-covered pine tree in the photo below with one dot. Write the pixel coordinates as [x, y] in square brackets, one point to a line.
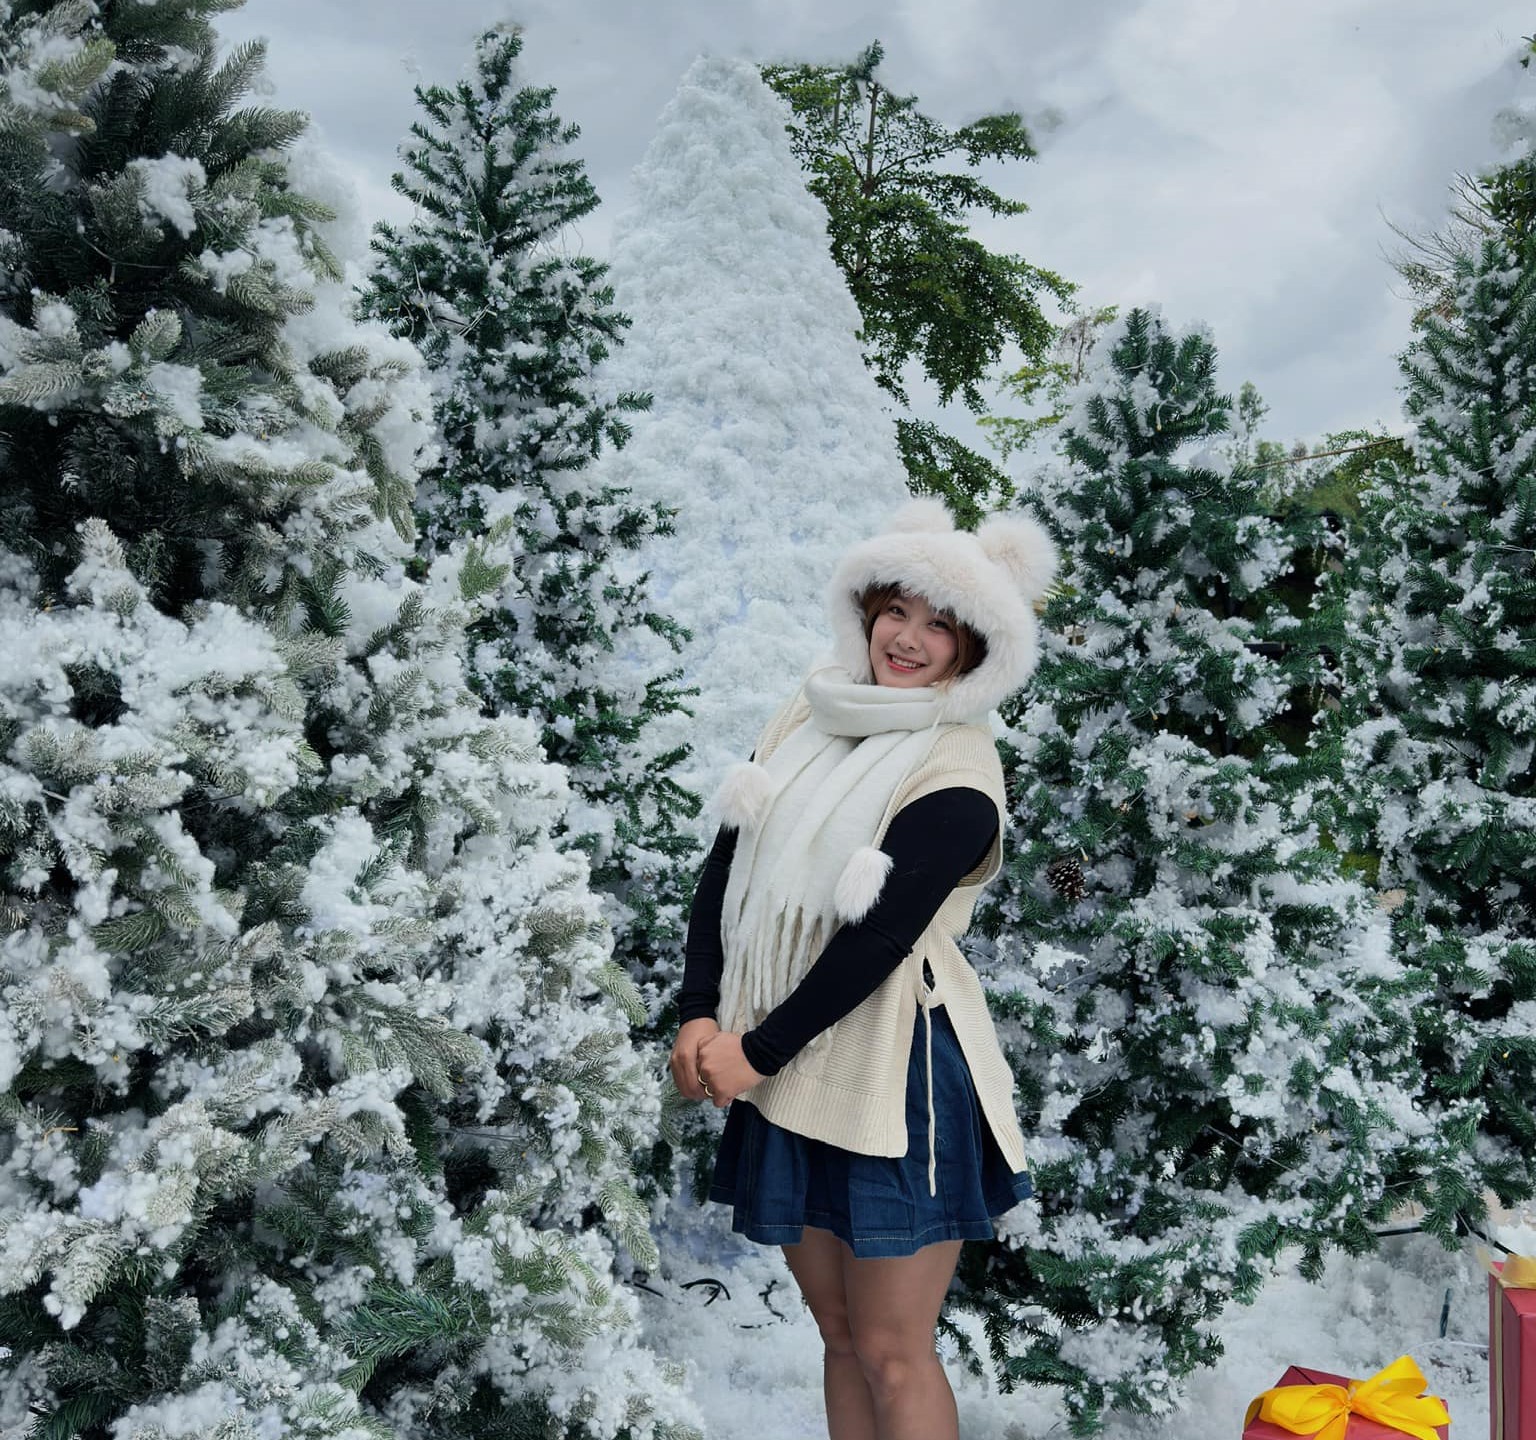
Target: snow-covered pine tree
[316, 1088]
[1439, 729]
[1187, 987]
[512, 321]
[766, 434]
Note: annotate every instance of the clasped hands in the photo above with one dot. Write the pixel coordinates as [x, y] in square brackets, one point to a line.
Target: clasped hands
[707, 1063]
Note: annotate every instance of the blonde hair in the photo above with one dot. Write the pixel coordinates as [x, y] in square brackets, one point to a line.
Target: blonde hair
[970, 647]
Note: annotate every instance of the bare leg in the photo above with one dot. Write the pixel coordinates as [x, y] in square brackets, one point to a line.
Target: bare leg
[817, 1265]
[893, 1306]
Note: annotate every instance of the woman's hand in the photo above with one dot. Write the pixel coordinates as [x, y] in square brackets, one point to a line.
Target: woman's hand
[725, 1069]
[685, 1058]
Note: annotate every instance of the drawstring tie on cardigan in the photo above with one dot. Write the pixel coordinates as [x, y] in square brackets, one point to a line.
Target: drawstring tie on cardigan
[928, 997]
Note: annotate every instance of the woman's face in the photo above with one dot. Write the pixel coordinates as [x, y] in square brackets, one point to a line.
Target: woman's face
[911, 643]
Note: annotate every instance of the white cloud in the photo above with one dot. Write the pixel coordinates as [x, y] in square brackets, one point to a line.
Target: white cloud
[1237, 163]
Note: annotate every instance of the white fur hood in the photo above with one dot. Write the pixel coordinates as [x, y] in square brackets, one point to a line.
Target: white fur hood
[989, 579]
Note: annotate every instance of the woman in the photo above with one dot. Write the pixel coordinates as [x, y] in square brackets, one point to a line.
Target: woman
[824, 988]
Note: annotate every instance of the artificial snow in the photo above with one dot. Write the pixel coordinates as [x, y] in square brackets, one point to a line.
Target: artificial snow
[730, 1311]
[167, 187]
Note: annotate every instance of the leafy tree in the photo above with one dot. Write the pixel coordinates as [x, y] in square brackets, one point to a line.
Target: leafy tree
[898, 188]
[513, 323]
[1048, 382]
[316, 1094]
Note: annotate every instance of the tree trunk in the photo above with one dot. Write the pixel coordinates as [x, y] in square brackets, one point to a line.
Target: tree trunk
[869, 142]
[867, 184]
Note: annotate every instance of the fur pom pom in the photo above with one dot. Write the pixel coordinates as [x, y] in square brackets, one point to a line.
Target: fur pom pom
[860, 884]
[1023, 548]
[926, 513]
[744, 796]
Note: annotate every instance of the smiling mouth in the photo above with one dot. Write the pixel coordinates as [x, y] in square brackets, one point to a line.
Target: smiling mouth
[905, 666]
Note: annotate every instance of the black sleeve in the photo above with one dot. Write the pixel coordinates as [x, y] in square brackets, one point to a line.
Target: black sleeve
[703, 953]
[934, 843]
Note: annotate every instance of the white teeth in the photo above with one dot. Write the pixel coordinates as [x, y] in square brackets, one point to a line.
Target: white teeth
[903, 664]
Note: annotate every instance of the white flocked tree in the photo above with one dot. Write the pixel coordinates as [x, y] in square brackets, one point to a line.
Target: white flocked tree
[766, 432]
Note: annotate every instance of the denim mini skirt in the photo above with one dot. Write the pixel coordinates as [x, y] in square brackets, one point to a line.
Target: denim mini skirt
[778, 1182]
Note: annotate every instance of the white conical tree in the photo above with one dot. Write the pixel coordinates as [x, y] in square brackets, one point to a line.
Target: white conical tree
[766, 433]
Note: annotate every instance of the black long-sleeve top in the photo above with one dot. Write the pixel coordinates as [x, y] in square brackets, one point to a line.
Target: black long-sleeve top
[934, 842]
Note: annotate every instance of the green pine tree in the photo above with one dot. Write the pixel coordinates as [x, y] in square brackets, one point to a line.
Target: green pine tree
[513, 325]
[899, 188]
[1437, 738]
[1191, 993]
[317, 1100]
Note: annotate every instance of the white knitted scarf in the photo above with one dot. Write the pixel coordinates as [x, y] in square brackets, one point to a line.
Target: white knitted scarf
[807, 818]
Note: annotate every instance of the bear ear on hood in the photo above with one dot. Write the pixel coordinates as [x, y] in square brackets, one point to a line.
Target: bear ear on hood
[925, 514]
[1023, 548]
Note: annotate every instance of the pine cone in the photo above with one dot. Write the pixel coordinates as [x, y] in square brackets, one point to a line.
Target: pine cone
[1065, 877]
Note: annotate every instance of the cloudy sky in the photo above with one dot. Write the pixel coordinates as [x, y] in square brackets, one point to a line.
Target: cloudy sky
[1239, 164]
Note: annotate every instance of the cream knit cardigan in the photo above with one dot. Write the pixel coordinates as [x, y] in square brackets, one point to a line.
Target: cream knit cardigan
[850, 1089]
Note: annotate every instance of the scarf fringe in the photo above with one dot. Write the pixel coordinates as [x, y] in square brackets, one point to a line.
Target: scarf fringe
[773, 963]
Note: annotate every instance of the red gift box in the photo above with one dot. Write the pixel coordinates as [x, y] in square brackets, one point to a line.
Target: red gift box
[1357, 1427]
[1512, 1349]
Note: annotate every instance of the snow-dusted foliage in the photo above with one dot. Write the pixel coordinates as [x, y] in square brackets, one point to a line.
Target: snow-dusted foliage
[766, 431]
[512, 324]
[48, 60]
[1199, 1006]
[316, 1088]
[1438, 740]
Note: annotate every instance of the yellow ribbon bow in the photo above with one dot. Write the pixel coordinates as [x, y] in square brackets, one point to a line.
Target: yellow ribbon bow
[1393, 1396]
[1519, 1272]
